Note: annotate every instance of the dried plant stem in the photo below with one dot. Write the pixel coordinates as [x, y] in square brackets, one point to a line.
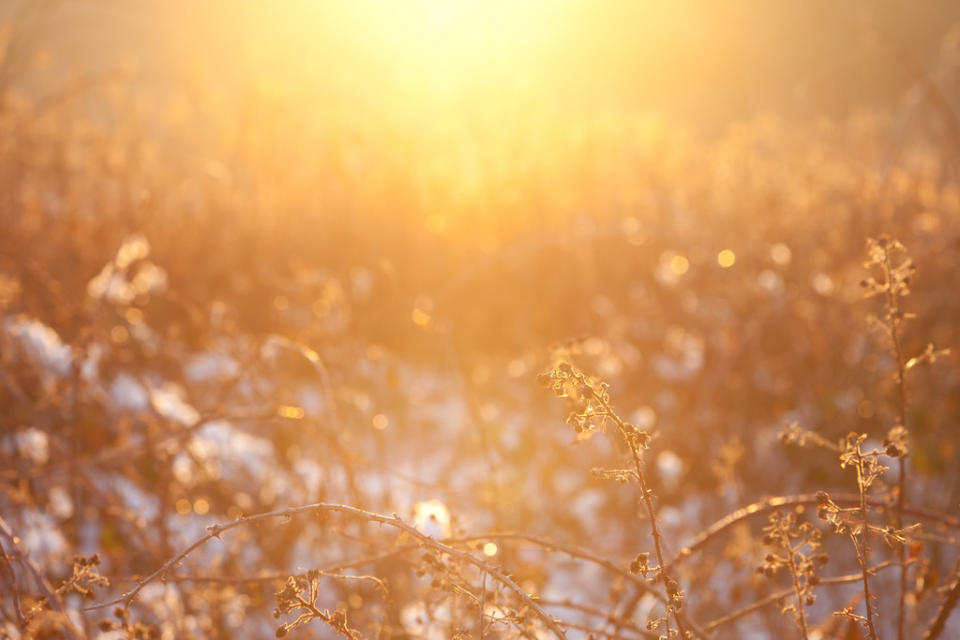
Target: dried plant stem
[607, 617]
[215, 531]
[52, 599]
[894, 329]
[585, 555]
[15, 589]
[861, 546]
[795, 577]
[778, 596]
[599, 633]
[898, 523]
[939, 622]
[655, 533]
[647, 496]
[805, 499]
[894, 319]
[335, 571]
[483, 603]
[254, 579]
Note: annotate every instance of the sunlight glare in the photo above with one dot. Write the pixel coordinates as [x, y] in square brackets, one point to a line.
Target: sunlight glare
[447, 38]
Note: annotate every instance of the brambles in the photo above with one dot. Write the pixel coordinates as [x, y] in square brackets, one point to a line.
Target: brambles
[855, 521]
[434, 576]
[253, 363]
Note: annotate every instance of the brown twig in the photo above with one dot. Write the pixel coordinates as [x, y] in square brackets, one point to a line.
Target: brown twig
[784, 593]
[215, 531]
[51, 598]
[950, 602]
[791, 552]
[15, 588]
[894, 318]
[805, 499]
[266, 577]
[861, 545]
[607, 617]
[670, 585]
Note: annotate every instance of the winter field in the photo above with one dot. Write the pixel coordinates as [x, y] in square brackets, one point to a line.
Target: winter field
[484, 320]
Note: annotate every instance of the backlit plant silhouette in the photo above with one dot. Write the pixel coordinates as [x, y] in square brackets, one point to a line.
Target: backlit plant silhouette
[364, 375]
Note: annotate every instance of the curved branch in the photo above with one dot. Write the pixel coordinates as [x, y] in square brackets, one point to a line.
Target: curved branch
[607, 617]
[394, 521]
[805, 499]
[785, 593]
[571, 550]
[940, 621]
[52, 599]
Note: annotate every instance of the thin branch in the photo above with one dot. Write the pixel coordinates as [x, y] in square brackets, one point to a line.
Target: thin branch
[785, 593]
[15, 586]
[215, 531]
[795, 577]
[669, 584]
[861, 545]
[806, 499]
[267, 577]
[52, 599]
[939, 622]
[571, 550]
[607, 617]
[599, 633]
[483, 602]
[894, 319]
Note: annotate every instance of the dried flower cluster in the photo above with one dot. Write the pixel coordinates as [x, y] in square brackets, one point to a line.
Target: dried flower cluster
[299, 595]
[793, 544]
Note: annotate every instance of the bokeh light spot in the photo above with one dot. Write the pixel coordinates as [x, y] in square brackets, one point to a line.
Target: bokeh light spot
[679, 265]
[420, 318]
[293, 413]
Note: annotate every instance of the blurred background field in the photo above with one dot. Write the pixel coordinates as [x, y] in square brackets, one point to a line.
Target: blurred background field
[255, 255]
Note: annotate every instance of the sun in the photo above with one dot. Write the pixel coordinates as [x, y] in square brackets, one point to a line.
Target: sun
[454, 37]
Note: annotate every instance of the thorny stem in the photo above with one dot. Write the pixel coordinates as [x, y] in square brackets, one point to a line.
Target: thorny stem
[334, 571]
[647, 496]
[215, 531]
[894, 329]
